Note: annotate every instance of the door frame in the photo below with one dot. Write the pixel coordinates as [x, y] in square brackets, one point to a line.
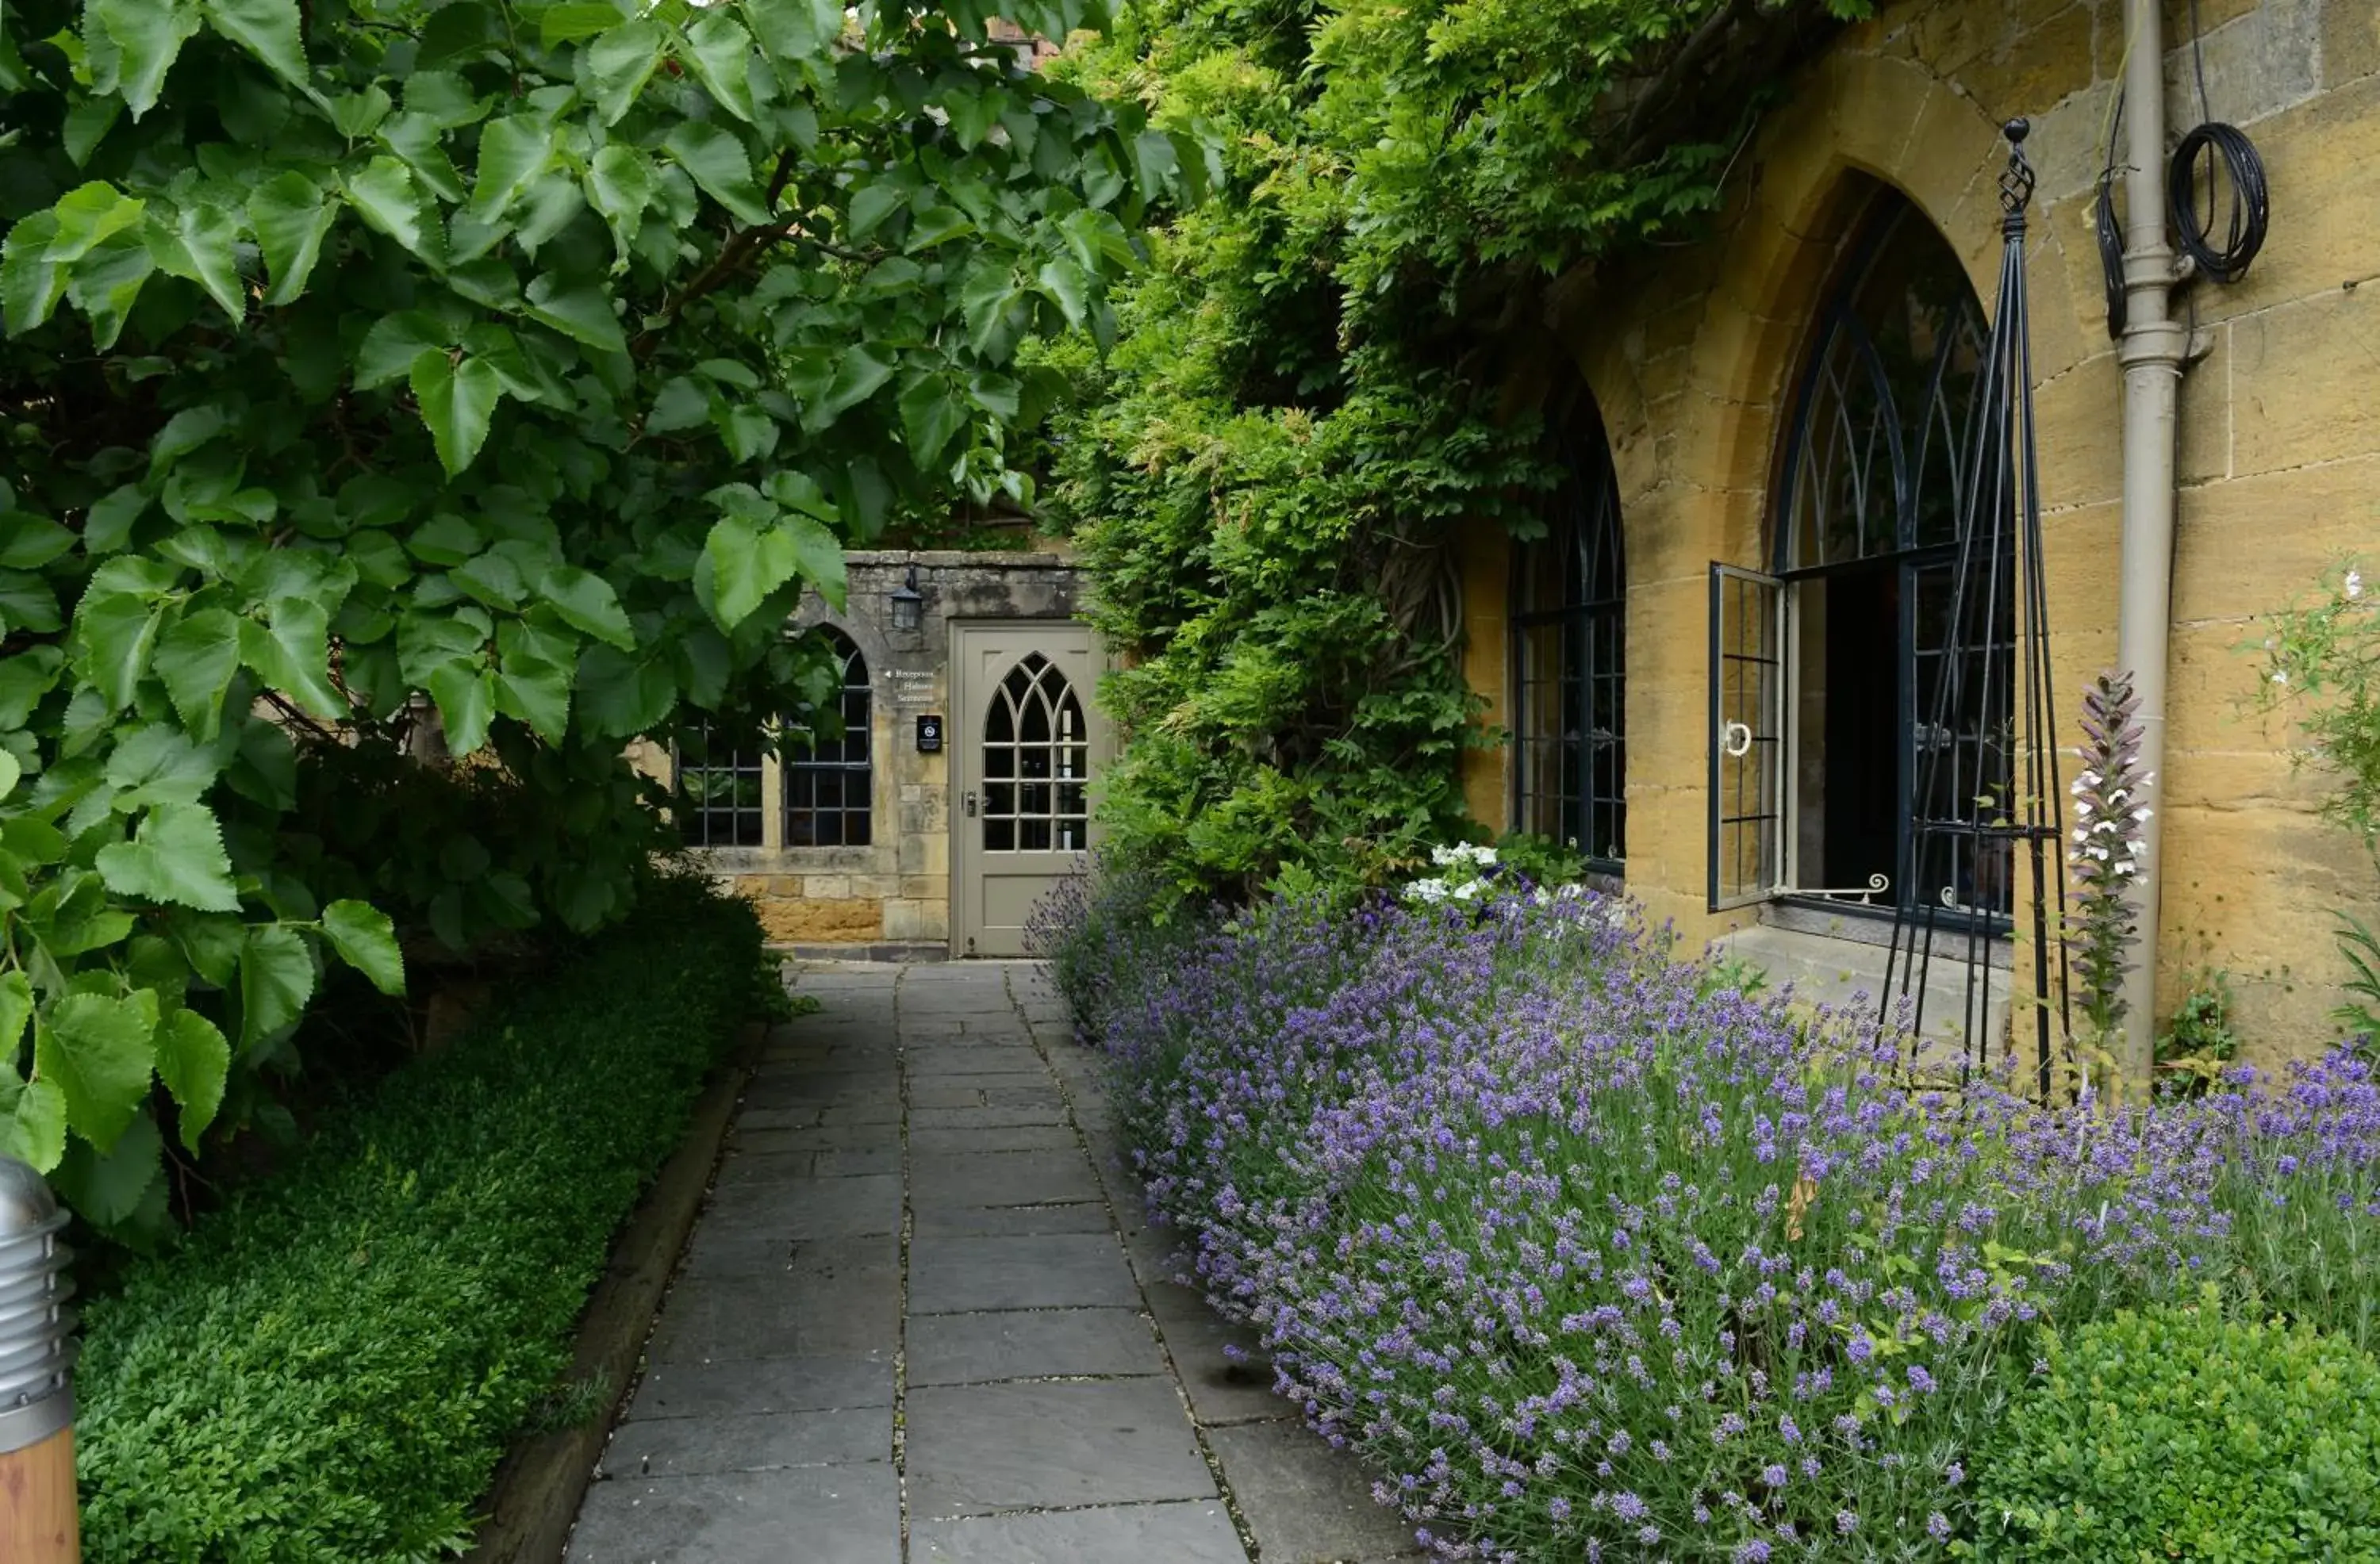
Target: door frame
[959, 739]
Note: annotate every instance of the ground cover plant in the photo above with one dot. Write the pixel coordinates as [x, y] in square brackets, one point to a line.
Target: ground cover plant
[328, 1368]
[1593, 1255]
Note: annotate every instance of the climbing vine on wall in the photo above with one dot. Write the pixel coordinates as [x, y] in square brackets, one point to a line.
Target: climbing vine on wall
[1318, 378]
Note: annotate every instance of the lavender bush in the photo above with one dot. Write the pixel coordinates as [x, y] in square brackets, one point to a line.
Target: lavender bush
[1591, 1263]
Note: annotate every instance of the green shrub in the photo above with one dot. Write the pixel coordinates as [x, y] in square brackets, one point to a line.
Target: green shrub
[2175, 1433]
[330, 1367]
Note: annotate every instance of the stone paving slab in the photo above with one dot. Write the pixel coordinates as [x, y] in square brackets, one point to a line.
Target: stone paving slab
[700, 1447]
[1196, 1532]
[1039, 1445]
[957, 1275]
[771, 1384]
[1030, 1344]
[818, 1515]
[924, 1220]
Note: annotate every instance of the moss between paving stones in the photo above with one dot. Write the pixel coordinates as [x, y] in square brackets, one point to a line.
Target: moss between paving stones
[331, 1368]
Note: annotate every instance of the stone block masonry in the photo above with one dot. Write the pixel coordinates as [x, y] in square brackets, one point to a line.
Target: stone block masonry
[895, 887]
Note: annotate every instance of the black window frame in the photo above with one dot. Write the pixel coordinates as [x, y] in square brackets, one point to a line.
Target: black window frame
[810, 767]
[697, 814]
[1927, 458]
[1582, 558]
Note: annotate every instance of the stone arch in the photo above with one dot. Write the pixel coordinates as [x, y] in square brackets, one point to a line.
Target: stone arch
[876, 653]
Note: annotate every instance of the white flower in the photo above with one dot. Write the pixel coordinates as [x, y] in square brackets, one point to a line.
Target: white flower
[2143, 813]
[1482, 857]
[2101, 853]
[1466, 890]
[1542, 897]
[2354, 583]
[2139, 848]
[2127, 869]
[2108, 826]
[2082, 834]
[2118, 796]
[2083, 808]
[2282, 677]
[1441, 856]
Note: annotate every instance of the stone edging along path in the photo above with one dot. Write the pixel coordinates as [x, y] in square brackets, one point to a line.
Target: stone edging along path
[921, 1320]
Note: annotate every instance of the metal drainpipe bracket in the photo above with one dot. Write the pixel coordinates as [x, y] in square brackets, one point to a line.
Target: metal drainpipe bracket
[2202, 343]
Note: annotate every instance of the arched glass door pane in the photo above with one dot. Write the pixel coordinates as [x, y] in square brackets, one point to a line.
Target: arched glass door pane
[1036, 763]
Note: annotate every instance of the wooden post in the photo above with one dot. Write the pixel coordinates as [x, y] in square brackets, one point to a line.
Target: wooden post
[39, 1523]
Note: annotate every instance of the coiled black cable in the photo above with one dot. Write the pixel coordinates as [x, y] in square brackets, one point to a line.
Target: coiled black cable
[2230, 160]
[2226, 147]
[2111, 233]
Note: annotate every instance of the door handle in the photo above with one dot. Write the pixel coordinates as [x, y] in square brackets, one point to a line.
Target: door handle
[968, 800]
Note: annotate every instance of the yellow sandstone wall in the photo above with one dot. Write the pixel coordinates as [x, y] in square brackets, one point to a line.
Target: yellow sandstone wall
[1692, 362]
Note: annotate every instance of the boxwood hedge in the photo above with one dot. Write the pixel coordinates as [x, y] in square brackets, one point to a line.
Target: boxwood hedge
[330, 1367]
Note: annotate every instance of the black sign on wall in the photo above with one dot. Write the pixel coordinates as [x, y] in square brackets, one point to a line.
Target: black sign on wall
[929, 734]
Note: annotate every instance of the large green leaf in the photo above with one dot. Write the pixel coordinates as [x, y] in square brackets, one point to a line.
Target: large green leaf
[583, 312]
[857, 374]
[617, 64]
[15, 1009]
[466, 703]
[194, 1061]
[143, 38]
[535, 690]
[98, 1051]
[587, 603]
[200, 242]
[30, 283]
[291, 217]
[931, 415]
[394, 343]
[620, 186]
[574, 19]
[750, 560]
[291, 653]
[276, 978]
[176, 856]
[197, 658]
[384, 191]
[457, 401]
[267, 28]
[513, 151]
[721, 56]
[621, 697]
[719, 164]
[366, 940]
[33, 1129]
[116, 633]
[793, 29]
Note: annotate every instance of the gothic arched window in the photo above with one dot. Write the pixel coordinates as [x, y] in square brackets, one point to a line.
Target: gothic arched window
[1827, 672]
[830, 781]
[1569, 620]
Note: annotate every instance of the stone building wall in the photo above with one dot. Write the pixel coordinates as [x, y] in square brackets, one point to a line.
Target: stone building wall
[896, 891]
[1691, 360]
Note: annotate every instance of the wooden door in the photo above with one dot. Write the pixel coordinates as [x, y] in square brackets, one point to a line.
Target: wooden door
[1026, 737]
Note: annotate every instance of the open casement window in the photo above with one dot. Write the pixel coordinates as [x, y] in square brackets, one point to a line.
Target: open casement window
[1747, 735]
[1857, 634]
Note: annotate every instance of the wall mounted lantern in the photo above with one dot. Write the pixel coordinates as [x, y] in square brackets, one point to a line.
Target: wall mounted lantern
[907, 601]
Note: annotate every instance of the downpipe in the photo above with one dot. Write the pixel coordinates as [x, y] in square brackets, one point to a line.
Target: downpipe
[2154, 349]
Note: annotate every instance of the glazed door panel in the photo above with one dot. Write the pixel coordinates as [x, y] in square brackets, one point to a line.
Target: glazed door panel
[1026, 738]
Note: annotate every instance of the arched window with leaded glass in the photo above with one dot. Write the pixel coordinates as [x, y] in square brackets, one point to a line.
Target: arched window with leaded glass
[1036, 762]
[1569, 629]
[829, 779]
[1827, 669]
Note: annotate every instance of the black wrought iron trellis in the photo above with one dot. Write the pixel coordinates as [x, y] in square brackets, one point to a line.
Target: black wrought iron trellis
[1999, 529]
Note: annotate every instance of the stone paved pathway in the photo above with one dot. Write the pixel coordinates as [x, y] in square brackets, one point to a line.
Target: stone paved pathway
[921, 1322]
